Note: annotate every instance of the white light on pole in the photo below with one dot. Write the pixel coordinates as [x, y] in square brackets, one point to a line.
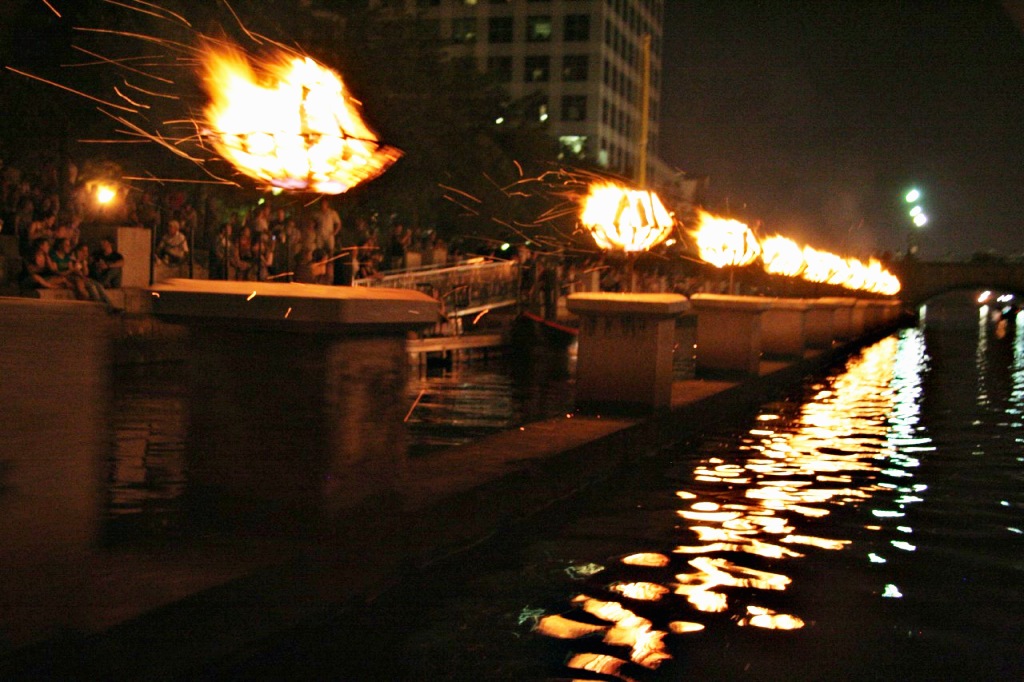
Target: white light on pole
[913, 195]
[920, 219]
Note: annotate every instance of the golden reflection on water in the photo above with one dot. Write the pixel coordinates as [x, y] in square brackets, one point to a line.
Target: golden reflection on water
[847, 444]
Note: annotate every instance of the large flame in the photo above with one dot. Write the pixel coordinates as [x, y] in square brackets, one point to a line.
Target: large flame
[782, 256]
[290, 122]
[625, 219]
[723, 241]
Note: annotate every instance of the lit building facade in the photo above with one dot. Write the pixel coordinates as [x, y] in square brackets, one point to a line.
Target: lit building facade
[577, 65]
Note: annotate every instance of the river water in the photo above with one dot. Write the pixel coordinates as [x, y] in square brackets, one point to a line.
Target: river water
[867, 526]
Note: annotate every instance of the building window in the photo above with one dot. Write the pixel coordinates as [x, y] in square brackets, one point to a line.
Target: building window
[538, 69]
[429, 29]
[572, 147]
[538, 109]
[574, 108]
[500, 68]
[538, 29]
[577, 28]
[499, 30]
[464, 64]
[575, 67]
[464, 30]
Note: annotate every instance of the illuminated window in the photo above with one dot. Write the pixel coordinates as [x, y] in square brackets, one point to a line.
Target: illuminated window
[499, 30]
[464, 30]
[575, 67]
[539, 109]
[574, 108]
[500, 68]
[538, 69]
[538, 28]
[572, 147]
[577, 28]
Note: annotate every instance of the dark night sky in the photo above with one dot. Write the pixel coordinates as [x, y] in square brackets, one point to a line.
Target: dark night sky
[814, 116]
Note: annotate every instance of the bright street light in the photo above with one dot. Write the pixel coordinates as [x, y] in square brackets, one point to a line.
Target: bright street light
[920, 219]
[913, 195]
[914, 212]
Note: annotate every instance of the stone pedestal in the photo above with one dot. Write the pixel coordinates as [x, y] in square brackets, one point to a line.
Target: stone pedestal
[841, 317]
[297, 393]
[729, 332]
[624, 357]
[820, 323]
[56, 437]
[783, 328]
[859, 316]
[136, 245]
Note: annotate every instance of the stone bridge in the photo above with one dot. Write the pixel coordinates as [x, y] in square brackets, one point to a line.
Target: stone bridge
[922, 280]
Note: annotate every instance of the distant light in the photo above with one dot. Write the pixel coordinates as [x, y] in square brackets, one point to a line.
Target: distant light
[984, 296]
[506, 246]
[544, 116]
[499, 120]
[276, 190]
[912, 196]
[670, 242]
[905, 546]
[261, 201]
[914, 211]
[920, 219]
[892, 592]
[875, 559]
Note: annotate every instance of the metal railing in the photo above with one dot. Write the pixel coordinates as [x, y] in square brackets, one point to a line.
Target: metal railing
[467, 288]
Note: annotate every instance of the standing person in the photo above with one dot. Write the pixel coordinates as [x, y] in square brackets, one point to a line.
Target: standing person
[220, 255]
[400, 238]
[328, 224]
[109, 265]
[173, 246]
[260, 222]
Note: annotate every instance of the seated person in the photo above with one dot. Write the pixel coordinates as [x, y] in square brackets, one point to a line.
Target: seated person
[79, 267]
[39, 272]
[173, 246]
[108, 265]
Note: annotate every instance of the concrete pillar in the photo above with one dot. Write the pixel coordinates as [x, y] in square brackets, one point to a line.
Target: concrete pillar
[783, 328]
[729, 332]
[842, 317]
[820, 322]
[297, 393]
[624, 358]
[55, 419]
[135, 244]
[893, 309]
[858, 317]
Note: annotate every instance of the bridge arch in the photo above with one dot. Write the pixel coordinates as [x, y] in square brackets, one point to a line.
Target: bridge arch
[921, 280]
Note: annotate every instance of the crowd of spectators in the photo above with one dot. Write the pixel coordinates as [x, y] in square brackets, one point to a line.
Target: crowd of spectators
[44, 212]
[312, 247]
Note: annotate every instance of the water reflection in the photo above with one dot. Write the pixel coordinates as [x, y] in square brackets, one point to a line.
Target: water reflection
[147, 476]
[749, 512]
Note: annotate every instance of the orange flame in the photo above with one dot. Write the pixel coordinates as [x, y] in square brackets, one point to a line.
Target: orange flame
[782, 256]
[723, 241]
[290, 122]
[625, 219]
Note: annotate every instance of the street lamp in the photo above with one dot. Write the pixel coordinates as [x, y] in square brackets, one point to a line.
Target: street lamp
[913, 195]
